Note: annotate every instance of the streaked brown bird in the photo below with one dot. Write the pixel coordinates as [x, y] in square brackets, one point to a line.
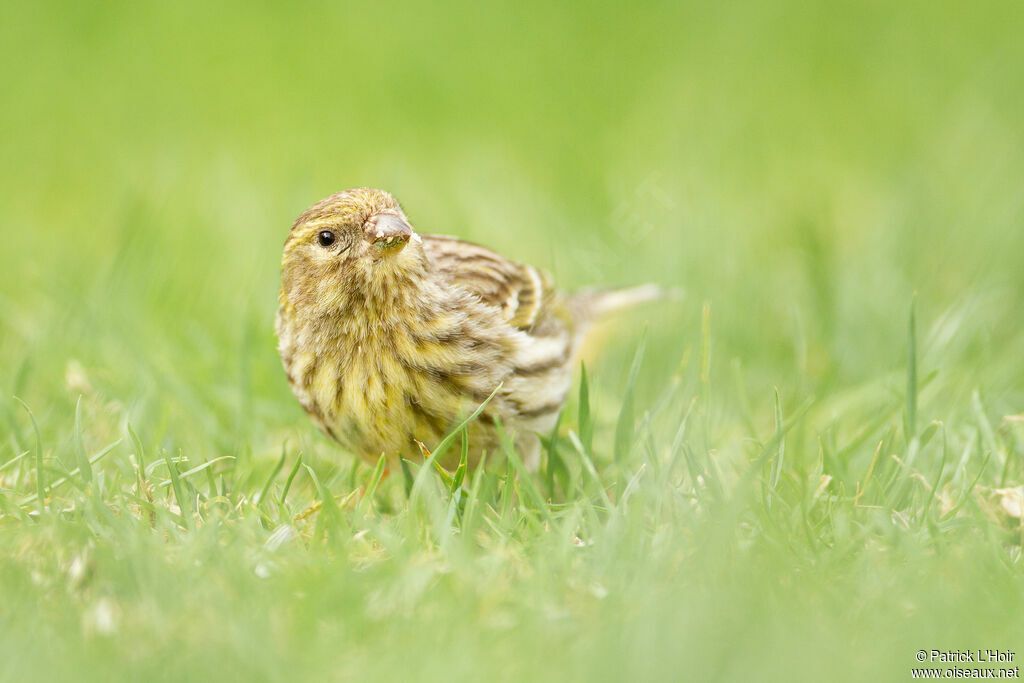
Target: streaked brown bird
[389, 337]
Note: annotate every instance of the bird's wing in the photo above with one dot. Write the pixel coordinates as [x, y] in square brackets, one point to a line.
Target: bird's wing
[519, 291]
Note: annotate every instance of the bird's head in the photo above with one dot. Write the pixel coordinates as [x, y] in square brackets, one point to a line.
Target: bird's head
[353, 242]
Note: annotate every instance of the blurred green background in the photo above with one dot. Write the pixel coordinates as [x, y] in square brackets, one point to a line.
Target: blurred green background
[802, 168]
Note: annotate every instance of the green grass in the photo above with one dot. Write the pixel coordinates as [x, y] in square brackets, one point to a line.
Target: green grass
[809, 472]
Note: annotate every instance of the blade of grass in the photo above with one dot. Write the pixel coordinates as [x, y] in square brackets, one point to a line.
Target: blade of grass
[555, 467]
[705, 396]
[507, 493]
[966, 494]
[988, 435]
[911, 427]
[631, 487]
[184, 504]
[585, 424]
[371, 485]
[867, 477]
[183, 476]
[9, 508]
[676, 449]
[750, 474]
[780, 452]
[40, 479]
[441, 447]
[460, 471]
[81, 458]
[14, 461]
[588, 465]
[273, 474]
[290, 479]
[473, 498]
[447, 441]
[445, 475]
[938, 477]
[407, 478]
[627, 420]
[327, 503]
[140, 455]
[525, 478]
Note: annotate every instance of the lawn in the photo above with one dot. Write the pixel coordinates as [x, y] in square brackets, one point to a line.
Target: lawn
[807, 467]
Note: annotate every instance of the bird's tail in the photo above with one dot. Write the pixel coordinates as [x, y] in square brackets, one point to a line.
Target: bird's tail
[590, 305]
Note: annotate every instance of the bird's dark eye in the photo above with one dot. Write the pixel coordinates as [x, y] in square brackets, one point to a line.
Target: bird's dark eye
[326, 238]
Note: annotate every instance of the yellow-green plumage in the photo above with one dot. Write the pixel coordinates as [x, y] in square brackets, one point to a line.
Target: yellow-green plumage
[389, 337]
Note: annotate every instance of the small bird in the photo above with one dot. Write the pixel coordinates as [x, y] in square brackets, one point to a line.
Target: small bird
[390, 337]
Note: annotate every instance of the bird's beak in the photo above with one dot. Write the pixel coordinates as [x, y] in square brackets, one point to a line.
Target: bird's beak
[387, 233]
